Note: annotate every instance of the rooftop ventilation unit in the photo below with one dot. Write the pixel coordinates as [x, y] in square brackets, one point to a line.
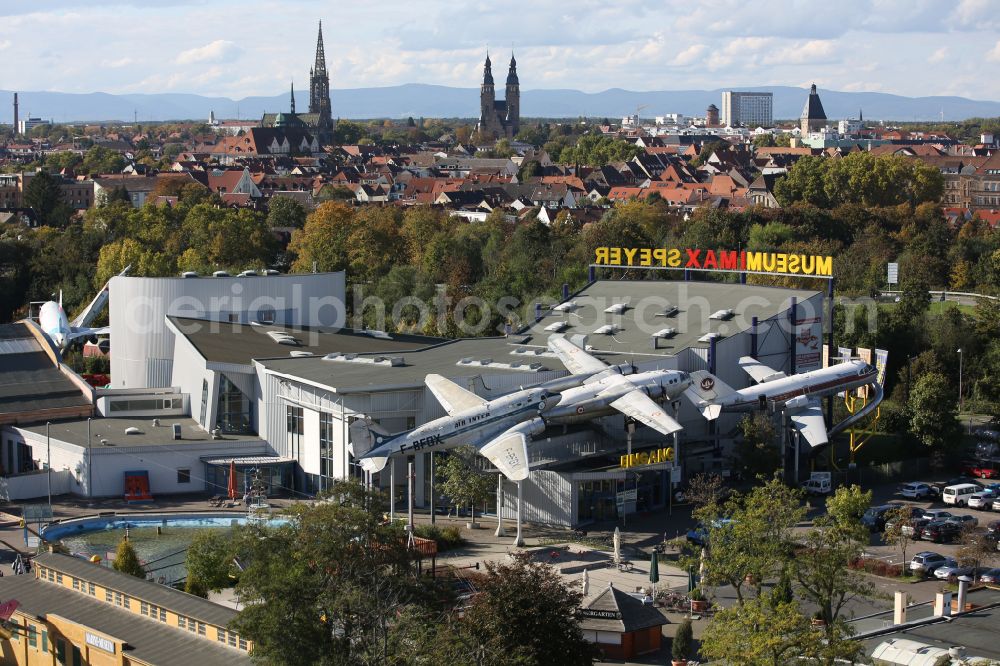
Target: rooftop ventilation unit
[665, 333]
[271, 271]
[189, 274]
[669, 311]
[283, 338]
[132, 430]
[300, 354]
[708, 337]
[177, 430]
[568, 306]
[722, 314]
[490, 363]
[607, 329]
[556, 326]
[220, 274]
[248, 273]
[387, 361]
[617, 308]
[373, 333]
[532, 352]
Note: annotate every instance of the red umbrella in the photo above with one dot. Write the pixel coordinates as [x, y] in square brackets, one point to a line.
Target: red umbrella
[232, 480]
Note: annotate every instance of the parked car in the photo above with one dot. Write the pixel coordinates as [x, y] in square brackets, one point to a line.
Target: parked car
[915, 527]
[916, 490]
[941, 531]
[912, 513]
[874, 517]
[993, 527]
[983, 500]
[990, 576]
[952, 572]
[940, 486]
[964, 521]
[926, 562]
[981, 468]
[935, 514]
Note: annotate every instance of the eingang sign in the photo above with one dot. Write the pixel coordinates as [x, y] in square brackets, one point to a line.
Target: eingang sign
[737, 261]
[653, 457]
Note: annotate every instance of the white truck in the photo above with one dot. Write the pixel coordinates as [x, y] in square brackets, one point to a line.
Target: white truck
[819, 483]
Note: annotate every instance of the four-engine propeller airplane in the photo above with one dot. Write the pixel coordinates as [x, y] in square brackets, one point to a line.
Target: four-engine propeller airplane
[798, 395]
[501, 428]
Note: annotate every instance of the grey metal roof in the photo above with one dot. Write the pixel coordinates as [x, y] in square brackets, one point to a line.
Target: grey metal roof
[137, 588]
[618, 611]
[696, 302]
[113, 430]
[29, 381]
[151, 641]
[220, 342]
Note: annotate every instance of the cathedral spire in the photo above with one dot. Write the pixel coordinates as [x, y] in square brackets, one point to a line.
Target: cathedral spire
[488, 71]
[293, 98]
[320, 66]
[512, 71]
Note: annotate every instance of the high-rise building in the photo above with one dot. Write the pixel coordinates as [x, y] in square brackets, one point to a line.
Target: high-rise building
[749, 109]
[500, 118]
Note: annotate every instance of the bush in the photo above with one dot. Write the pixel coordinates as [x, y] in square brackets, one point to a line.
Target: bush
[447, 538]
[680, 647]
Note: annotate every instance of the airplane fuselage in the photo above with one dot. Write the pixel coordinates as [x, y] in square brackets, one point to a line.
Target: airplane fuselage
[799, 388]
[466, 426]
[52, 319]
[593, 399]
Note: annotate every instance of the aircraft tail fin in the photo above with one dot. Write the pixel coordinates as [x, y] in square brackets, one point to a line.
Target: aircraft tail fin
[706, 391]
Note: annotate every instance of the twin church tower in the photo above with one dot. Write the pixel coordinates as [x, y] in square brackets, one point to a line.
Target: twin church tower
[500, 118]
[497, 118]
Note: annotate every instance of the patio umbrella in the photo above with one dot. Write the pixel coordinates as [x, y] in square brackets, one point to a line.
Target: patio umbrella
[233, 492]
[617, 541]
[585, 584]
[654, 572]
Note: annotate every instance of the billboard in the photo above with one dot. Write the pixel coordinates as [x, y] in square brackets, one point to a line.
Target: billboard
[808, 344]
[741, 261]
[865, 355]
[881, 361]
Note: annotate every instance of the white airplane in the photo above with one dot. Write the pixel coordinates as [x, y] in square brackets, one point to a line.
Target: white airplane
[498, 428]
[798, 395]
[607, 389]
[53, 321]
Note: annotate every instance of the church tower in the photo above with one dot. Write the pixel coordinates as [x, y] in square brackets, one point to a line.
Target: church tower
[487, 100]
[513, 99]
[319, 90]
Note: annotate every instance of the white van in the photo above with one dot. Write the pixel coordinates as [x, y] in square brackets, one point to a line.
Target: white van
[959, 495]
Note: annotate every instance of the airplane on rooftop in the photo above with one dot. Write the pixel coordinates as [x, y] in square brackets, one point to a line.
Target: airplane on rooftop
[53, 321]
[501, 428]
[798, 395]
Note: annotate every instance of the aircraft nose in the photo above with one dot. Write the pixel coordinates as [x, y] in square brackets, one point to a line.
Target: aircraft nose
[550, 401]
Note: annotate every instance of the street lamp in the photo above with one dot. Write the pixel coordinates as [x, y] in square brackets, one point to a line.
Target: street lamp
[960, 403]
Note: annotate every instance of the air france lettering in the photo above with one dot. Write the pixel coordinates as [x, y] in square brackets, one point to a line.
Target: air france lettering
[422, 443]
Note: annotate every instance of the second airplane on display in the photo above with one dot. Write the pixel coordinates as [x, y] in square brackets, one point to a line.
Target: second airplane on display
[501, 428]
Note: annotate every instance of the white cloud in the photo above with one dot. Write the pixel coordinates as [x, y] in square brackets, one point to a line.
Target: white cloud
[690, 55]
[4, 44]
[221, 50]
[994, 54]
[802, 53]
[119, 62]
[938, 56]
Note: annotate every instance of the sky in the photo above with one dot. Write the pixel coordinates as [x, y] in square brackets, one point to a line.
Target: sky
[239, 48]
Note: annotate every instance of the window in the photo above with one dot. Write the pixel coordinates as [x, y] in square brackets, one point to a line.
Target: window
[143, 608]
[76, 583]
[295, 427]
[77, 657]
[59, 578]
[201, 629]
[243, 643]
[182, 622]
[235, 412]
[91, 589]
[32, 635]
[45, 640]
[232, 639]
[183, 476]
[118, 598]
[204, 401]
[109, 596]
[163, 615]
[60, 651]
[221, 635]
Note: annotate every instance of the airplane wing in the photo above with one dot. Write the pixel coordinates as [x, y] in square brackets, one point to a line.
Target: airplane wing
[452, 397]
[641, 407]
[760, 372]
[77, 333]
[809, 422]
[576, 360]
[95, 306]
[509, 451]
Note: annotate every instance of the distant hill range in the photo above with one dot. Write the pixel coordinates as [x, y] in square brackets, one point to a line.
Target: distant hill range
[430, 101]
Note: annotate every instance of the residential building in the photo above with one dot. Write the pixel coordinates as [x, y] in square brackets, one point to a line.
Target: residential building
[72, 611]
[749, 109]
